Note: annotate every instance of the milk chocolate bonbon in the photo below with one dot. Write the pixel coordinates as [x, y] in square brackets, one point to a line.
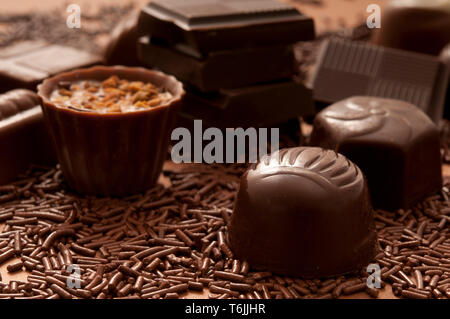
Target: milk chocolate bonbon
[303, 211]
[393, 142]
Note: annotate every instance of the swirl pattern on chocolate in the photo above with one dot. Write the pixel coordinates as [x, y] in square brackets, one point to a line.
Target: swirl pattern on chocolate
[320, 165]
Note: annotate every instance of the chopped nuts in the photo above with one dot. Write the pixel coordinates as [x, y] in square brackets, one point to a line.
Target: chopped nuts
[113, 95]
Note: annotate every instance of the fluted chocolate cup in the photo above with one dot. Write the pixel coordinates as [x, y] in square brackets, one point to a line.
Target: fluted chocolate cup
[111, 154]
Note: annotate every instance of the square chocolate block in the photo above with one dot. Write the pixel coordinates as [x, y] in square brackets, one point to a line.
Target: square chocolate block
[393, 142]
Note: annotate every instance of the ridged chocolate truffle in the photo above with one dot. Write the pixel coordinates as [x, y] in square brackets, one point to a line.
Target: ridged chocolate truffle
[394, 143]
[303, 211]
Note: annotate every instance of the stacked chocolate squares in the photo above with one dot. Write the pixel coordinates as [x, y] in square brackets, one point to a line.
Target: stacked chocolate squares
[235, 58]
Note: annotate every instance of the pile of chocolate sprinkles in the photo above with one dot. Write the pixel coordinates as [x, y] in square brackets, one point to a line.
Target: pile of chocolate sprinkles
[171, 241]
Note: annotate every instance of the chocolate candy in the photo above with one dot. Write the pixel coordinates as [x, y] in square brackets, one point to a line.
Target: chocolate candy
[420, 26]
[122, 46]
[214, 25]
[23, 138]
[111, 154]
[26, 64]
[257, 105]
[222, 69]
[393, 142]
[303, 211]
[348, 68]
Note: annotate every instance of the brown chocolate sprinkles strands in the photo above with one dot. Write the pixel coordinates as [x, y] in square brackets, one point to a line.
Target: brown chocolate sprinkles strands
[167, 242]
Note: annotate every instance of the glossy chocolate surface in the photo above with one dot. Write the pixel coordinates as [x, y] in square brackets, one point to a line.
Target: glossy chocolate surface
[23, 136]
[222, 69]
[26, 64]
[393, 142]
[111, 154]
[303, 211]
[348, 68]
[211, 25]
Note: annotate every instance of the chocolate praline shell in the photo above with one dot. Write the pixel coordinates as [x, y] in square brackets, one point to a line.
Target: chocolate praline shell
[394, 143]
[303, 211]
[111, 154]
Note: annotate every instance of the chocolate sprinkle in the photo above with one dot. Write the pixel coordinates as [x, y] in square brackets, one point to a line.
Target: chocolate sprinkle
[169, 241]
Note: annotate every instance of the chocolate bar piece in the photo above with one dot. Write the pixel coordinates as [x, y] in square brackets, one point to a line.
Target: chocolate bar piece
[304, 211]
[215, 25]
[420, 26]
[223, 69]
[23, 137]
[26, 64]
[354, 68]
[253, 106]
[393, 142]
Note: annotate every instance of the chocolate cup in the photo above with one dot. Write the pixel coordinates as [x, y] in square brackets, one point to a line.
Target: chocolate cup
[112, 154]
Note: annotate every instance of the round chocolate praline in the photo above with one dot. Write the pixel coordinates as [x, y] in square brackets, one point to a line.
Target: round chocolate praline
[306, 212]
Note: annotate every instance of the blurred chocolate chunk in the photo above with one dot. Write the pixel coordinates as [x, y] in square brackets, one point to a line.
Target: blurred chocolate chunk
[122, 46]
[26, 64]
[23, 136]
[349, 68]
[445, 58]
[420, 26]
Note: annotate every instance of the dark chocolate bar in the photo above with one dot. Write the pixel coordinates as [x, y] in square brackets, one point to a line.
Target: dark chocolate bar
[23, 137]
[214, 25]
[26, 64]
[354, 68]
[304, 211]
[393, 142]
[222, 69]
[253, 106]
